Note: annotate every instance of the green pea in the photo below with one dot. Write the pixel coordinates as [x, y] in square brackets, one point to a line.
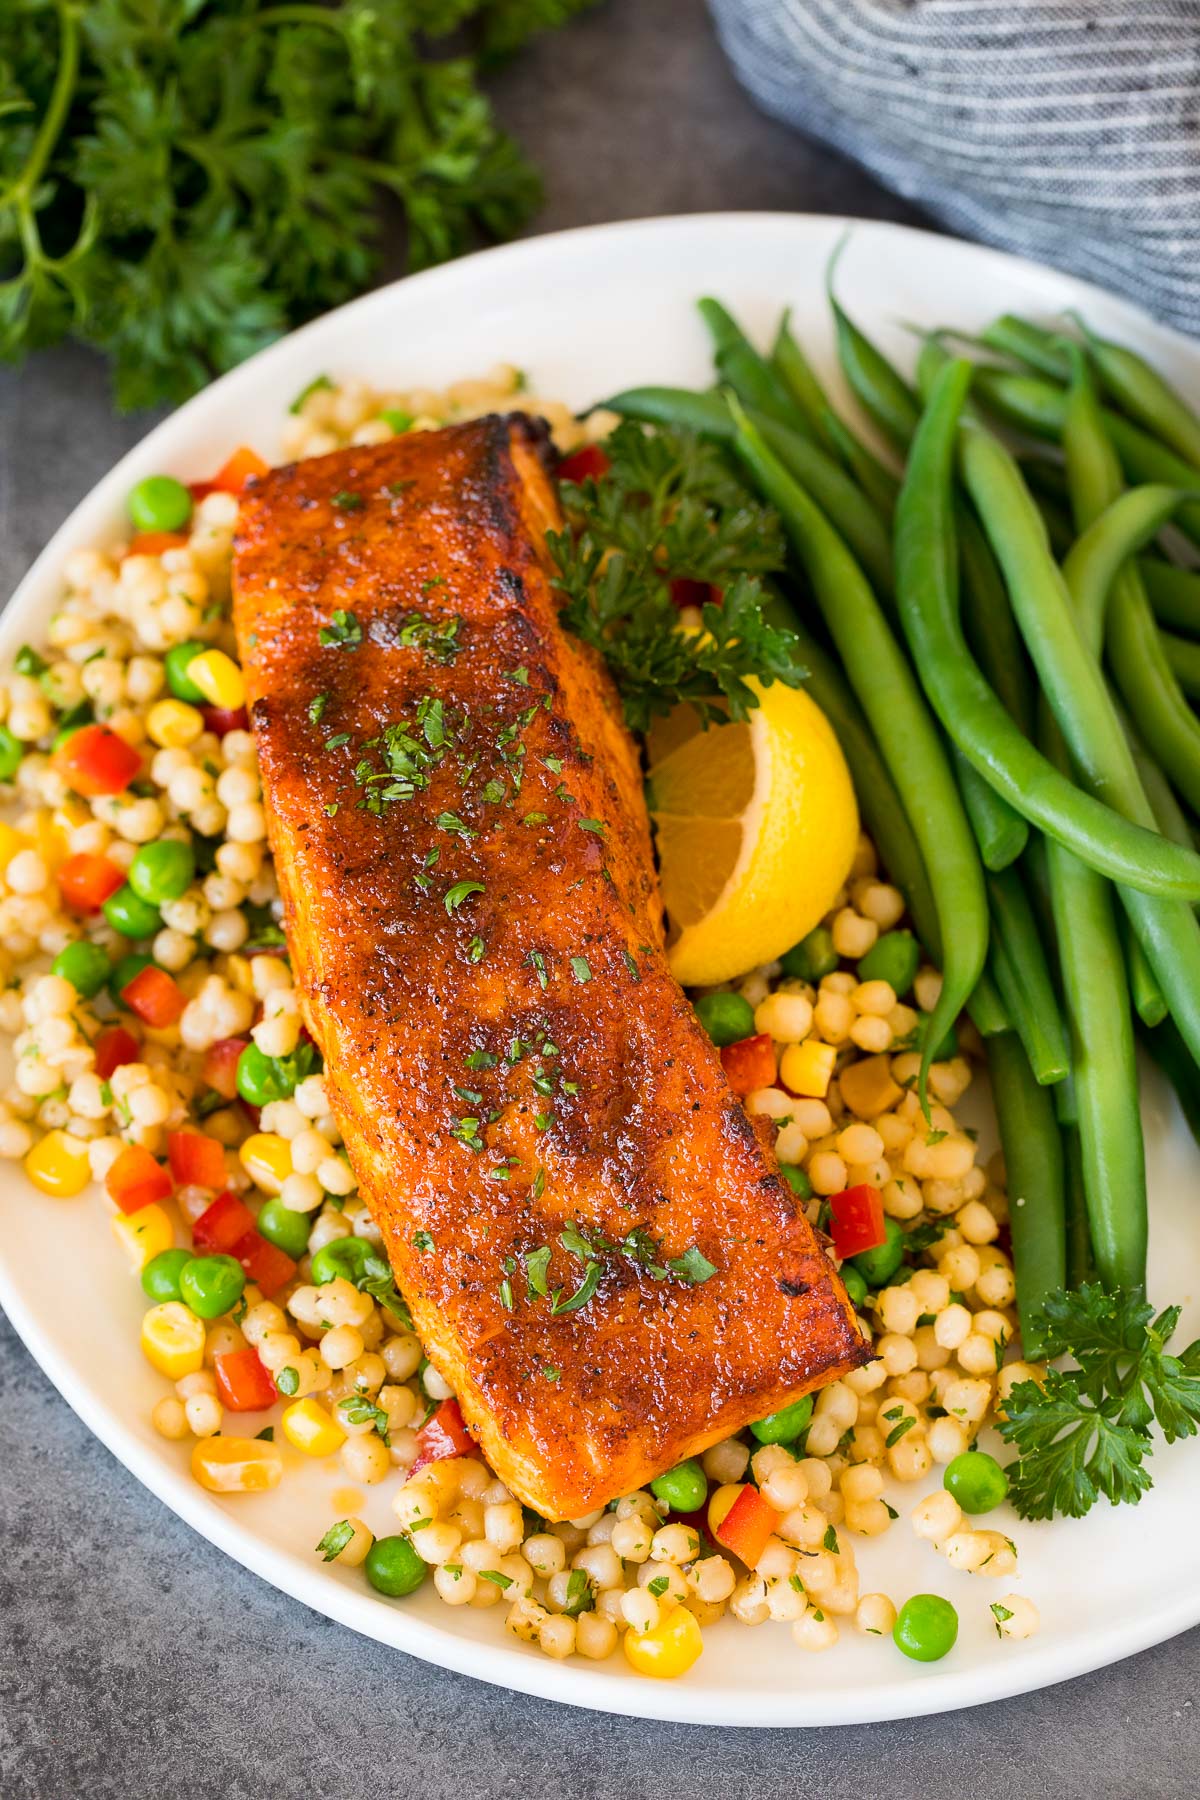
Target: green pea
[812, 957]
[393, 1567]
[976, 1480]
[877, 1266]
[926, 1628]
[894, 958]
[160, 1277]
[160, 503]
[287, 1230]
[262, 1078]
[786, 1425]
[683, 1488]
[84, 965]
[347, 1257]
[211, 1285]
[727, 1018]
[399, 421]
[176, 664]
[129, 914]
[797, 1180]
[854, 1285]
[162, 871]
[123, 973]
[12, 750]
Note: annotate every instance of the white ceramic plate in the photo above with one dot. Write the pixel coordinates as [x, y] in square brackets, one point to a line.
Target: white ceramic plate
[588, 312]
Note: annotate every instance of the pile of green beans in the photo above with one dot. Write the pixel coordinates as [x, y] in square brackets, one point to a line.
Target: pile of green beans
[1006, 641]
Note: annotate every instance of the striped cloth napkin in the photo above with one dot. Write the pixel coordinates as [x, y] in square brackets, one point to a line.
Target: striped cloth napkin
[1068, 130]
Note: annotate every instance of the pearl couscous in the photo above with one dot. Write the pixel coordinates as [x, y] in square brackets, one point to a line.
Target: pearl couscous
[158, 1049]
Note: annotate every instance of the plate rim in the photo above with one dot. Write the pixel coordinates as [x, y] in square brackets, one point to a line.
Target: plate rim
[502, 1663]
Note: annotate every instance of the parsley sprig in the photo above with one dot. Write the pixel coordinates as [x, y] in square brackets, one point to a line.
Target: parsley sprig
[670, 508]
[1086, 1432]
[183, 180]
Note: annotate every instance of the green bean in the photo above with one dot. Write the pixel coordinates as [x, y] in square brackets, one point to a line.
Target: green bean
[1167, 811]
[888, 692]
[1040, 407]
[991, 629]
[1024, 979]
[1103, 1063]
[1098, 565]
[1000, 832]
[884, 394]
[1174, 594]
[977, 722]
[1080, 1267]
[1140, 391]
[748, 373]
[1184, 659]
[876, 481]
[1149, 1001]
[1167, 929]
[1027, 343]
[793, 369]
[1174, 1059]
[1033, 1157]
[834, 491]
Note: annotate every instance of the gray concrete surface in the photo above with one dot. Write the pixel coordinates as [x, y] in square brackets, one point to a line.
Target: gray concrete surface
[138, 1663]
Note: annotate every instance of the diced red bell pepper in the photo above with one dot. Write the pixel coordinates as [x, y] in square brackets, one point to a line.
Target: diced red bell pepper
[243, 1384]
[196, 1160]
[686, 592]
[443, 1435]
[94, 760]
[153, 543]
[222, 1225]
[220, 1066]
[86, 881]
[749, 1064]
[233, 475]
[856, 1220]
[113, 1048]
[154, 997]
[747, 1526]
[223, 719]
[265, 1264]
[588, 464]
[136, 1179]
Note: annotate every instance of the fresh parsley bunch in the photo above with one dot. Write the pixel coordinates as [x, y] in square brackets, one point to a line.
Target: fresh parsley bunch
[1086, 1431]
[183, 180]
[670, 508]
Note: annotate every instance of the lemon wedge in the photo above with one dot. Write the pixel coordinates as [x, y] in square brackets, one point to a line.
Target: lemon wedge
[756, 827]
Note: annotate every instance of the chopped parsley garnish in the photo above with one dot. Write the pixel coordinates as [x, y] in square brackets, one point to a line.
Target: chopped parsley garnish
[1000, 1614]
[423, 1242]
[692, 1267]
[581, 968]
[438, 638]
[476, 950]
[466, 1130]
[631, 965]
[830, 1541]
[493, 793]
[537, 963]
[480, 1059]
[287, 1381]
[596, 825]
[451, 822]
[348, 502]
[409, 754]
[582, 1294]
[339, 1535]
[538, 1185]
[266, 1435]
[669, 506]
[550, 1372]
[494, 1575]
[360, 1409]
[315, 386]
[537, 1265]
[898, 1431]
[345, 632]
[462, 890]
[658, 1586]
[1086, 1431]
[339, 738]
[316, 708]
[520, 676]
[579, 1593]
[639, 1247]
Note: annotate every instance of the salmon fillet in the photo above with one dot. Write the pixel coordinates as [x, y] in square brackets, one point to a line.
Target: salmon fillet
[595, 1242]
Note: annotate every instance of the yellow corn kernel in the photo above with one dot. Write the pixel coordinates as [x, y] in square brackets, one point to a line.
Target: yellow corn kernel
[669, 1648]
[49, 840]
[173, 1340]
[218, 678]
[807, 1068]
[267, 1160]
[233, 1465]
[721, 1504]
[59, 1165]
[143, 1234]
[11, 840]
[173, 724]
[71, 815]
[311, 1429]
